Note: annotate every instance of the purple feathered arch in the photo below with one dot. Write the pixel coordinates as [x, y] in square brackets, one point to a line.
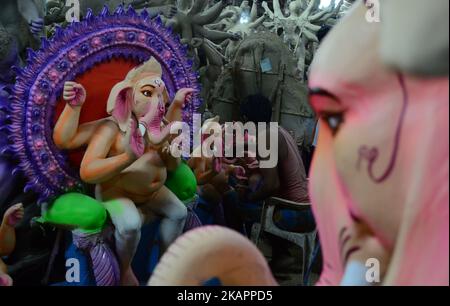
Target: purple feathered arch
[68, 54]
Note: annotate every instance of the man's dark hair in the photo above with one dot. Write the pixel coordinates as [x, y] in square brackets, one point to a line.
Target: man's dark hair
[257, 108]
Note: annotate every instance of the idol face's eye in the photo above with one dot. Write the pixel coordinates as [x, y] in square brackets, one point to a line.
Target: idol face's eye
[334, 121]
[147, 93]
[328, 107]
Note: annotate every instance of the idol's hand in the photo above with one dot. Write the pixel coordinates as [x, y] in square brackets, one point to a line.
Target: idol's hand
[183, 95]
[74, 93]
[13, 215]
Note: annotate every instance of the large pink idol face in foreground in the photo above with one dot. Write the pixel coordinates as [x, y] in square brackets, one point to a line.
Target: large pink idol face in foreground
[379, 180]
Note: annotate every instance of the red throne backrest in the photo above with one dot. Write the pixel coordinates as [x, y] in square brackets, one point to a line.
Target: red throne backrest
[98, 82]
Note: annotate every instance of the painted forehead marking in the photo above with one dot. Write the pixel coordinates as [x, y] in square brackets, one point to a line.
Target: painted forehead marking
[158, 82]
[154, 82]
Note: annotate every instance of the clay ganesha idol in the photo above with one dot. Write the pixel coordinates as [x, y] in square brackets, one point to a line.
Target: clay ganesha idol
[127, 158]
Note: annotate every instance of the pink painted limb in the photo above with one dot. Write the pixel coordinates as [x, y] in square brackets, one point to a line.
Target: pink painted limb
[212, 251]
[5, 280]
[14, 215]
[7, 232]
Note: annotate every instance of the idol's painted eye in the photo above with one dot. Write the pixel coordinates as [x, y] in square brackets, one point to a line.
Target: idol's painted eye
[334, 121]
[147, 93]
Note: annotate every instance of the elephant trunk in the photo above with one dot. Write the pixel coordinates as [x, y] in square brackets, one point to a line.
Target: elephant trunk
[212, 251]
[155, 134]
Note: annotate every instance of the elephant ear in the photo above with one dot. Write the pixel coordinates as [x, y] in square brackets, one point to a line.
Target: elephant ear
[120, 103]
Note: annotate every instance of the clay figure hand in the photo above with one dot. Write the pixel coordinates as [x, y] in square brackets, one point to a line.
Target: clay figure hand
[13, 215]
[74, 94]
[182, 96]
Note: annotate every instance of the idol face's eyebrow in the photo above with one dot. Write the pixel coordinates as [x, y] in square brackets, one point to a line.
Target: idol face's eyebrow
[148, 85]
[321, 99]
[323, 93]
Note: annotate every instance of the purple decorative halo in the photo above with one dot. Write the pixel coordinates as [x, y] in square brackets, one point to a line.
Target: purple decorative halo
[70, 53]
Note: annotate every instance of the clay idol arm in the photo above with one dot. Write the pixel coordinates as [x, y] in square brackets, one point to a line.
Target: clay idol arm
[214, 35]
[277, 9]
[11, 218]
[255, 24]
[167, 11]
[267, 9]
[211, 14]
[7, 239]
[197, 7]
[67, 133]
[29, 10]
[309, 9]
[254, 11]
